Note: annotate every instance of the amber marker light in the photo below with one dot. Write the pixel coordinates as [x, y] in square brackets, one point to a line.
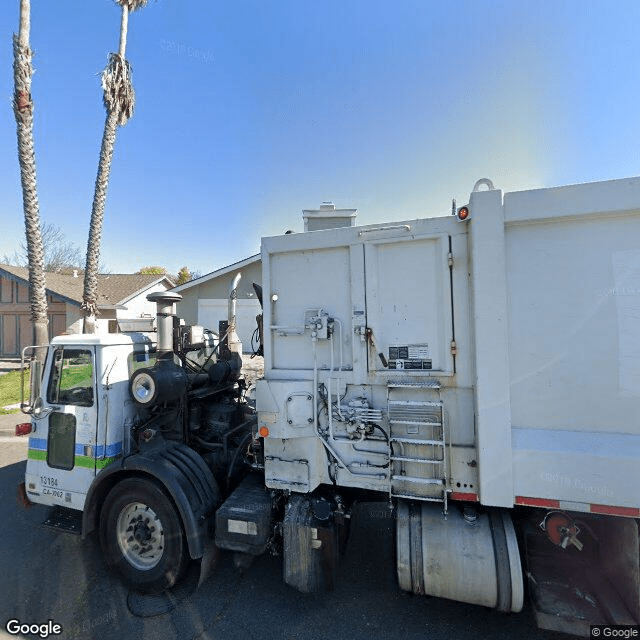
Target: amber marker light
[264, 432]
[463, 213]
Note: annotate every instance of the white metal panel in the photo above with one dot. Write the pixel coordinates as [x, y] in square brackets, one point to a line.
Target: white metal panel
[573, 267]
[573, 200]
[352, 274]
[577, 467]
[314, 278]
[116, 409]
[574, 335]
[489, 319]
[408, 303]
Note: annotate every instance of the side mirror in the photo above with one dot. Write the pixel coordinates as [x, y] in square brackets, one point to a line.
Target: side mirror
[39, 411]
[32, 366]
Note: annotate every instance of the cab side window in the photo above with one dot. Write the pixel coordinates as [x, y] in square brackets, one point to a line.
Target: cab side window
[62, 441]
[71, 380]
[142, 357]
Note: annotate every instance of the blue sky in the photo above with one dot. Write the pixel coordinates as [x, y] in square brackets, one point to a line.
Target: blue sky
[250, 111]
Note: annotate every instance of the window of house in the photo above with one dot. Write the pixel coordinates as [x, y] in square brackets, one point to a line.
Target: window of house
[6, 290]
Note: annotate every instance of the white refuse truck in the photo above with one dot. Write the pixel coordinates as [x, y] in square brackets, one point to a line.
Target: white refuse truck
[478, 372]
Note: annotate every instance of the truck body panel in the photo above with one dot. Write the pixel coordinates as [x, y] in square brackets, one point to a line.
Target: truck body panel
[479, 373]
[520, 324]
[573, 257]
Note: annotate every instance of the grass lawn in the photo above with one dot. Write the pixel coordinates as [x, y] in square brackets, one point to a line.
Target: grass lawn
[75, 376]
[10, 390]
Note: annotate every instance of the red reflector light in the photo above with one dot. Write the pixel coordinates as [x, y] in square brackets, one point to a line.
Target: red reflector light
[463, 213]
[264, 432]
[23, 429]
[462, 495]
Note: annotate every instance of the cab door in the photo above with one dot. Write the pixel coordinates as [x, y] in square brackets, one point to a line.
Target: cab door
[64, 444]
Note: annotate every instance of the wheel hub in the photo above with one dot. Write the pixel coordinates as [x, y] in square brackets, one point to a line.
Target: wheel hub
[140, 536]
[141, 530]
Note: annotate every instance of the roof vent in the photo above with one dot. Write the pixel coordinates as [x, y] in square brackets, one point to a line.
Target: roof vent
[328, 217]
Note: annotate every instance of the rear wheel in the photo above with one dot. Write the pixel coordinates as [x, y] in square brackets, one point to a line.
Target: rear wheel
[141, 536]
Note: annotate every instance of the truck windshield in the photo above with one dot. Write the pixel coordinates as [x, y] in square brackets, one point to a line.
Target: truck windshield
[71, 380]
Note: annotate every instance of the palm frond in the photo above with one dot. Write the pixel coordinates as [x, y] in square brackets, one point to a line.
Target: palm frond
[119, 96]
[132, 5]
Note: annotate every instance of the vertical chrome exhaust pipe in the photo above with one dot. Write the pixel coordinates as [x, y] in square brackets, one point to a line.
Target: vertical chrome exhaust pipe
[233, 341]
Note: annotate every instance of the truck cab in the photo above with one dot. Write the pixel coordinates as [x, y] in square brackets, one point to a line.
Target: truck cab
[81, 413]
[132, 438]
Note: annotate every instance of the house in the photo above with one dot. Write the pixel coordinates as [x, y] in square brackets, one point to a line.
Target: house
[205, 299]
[121, 297]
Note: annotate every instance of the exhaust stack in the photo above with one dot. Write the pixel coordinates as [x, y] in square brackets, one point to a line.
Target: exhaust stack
[233, 341]
[165, 312]
[165, 381]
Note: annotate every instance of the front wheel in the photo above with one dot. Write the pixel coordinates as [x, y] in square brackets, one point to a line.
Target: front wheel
[141, 536]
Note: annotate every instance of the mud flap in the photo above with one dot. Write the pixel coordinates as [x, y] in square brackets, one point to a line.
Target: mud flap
[23, 498]
[208, 562]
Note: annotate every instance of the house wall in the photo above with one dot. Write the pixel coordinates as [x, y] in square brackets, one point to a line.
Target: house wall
[218, 289]
[105, 320]
[16, 328]
[206, 303]
[73, 319]
[15, 325]
[139, 306]
[210, 312]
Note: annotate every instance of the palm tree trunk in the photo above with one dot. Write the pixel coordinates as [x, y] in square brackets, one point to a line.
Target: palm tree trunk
[119, 102]
[23, 110]
[90, 293]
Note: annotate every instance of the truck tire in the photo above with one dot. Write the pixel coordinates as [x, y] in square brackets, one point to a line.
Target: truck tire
[141, 536]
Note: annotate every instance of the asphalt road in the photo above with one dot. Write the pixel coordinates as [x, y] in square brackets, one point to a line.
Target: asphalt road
[55, 576]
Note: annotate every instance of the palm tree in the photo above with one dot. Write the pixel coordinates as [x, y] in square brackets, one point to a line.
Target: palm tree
[119, 100]
[23, 110]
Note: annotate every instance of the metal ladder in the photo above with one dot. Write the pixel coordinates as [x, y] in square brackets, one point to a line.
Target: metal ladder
[417, 442]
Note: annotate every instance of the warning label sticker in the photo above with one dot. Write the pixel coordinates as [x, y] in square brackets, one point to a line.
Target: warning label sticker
[418, 351]
[411, 356]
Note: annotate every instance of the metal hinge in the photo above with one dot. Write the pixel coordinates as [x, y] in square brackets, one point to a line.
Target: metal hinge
[450, 259]
[454, 348]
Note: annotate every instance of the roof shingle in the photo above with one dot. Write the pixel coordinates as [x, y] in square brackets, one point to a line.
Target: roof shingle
[113, 289]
